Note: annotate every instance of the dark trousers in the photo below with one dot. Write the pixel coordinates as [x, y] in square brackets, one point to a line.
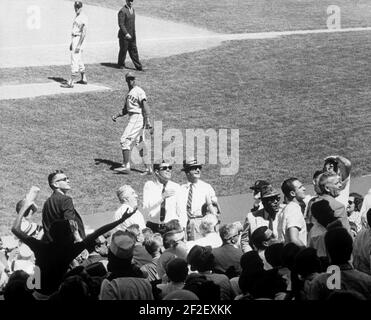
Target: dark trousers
[131, 46]
[156, 228]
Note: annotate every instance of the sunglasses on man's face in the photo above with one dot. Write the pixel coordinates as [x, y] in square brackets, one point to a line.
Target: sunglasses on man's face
[166, 168]
[63, 179]
[274, 199]
[195, 168]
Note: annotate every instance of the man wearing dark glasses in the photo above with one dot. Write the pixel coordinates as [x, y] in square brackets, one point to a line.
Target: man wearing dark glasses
[59, 206]
[267, 216]
[159, 199]
[193, 196]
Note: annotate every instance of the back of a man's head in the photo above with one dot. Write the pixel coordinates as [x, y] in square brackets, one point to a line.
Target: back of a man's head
[273, 255]
[153, 244]
[177, 270]
[307, 262]
[123, 192]
[172, 225]
[135, 230]
[208, 223]
[200, 258]
[204, 289]
[339, 245]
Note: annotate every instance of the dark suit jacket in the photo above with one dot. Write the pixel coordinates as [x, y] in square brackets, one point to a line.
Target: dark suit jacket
[126, 22]
[227, 256]
[60, 207]
[338, 208]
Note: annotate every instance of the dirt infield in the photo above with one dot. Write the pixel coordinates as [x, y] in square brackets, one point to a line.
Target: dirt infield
[37, 33]
[43, 89]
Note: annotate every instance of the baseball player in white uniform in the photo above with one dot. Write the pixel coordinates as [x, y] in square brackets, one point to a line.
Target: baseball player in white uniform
[139, 113]
[78, 34]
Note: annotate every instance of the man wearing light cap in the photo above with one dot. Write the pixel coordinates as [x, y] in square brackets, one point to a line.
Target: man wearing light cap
[78, 35]
[125, 280]
[256, 194]
[139, 113]
[192, 196]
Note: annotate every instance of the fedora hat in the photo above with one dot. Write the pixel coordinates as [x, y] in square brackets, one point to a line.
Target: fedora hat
[189, 163]
[268, 191]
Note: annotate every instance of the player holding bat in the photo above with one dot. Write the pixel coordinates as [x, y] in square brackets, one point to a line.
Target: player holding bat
[139, 113]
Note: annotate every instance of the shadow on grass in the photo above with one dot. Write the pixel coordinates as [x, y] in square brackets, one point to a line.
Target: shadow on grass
[113, 165]
[114, 66]
[58, 79]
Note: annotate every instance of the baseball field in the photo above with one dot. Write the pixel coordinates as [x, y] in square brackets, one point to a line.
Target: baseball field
[294, 99]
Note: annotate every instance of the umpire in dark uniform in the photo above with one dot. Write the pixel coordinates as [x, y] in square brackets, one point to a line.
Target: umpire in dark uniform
[126, 35]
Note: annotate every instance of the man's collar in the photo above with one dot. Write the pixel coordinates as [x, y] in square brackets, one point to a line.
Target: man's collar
[194, 183]
[327, 196]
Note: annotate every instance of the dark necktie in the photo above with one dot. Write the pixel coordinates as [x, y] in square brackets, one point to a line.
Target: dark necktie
[189, 200]
[163, 206]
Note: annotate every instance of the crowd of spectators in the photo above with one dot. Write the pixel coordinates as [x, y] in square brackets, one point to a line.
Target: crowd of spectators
[175, 246]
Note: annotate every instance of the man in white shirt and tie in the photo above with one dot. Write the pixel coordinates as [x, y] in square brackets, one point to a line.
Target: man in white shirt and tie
[192, 196]
[159, 199]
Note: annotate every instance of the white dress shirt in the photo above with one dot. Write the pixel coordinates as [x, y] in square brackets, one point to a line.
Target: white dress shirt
[136, 218]
[152, 199]
[200, 193]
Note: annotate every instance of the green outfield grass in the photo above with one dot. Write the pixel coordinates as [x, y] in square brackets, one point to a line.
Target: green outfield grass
[236, 16]
[294, 100]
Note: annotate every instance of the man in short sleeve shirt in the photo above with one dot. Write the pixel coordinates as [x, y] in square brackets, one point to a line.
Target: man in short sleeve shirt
[292, 226]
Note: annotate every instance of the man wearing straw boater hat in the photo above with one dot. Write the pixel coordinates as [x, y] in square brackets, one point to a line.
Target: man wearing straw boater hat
[193, 195]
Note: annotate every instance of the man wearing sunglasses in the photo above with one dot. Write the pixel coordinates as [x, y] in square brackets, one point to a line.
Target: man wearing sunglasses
[59, 206]
[267, 216]
[192, 196]
[159, 199]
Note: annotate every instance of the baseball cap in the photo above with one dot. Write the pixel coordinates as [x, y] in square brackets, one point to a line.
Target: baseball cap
[129, 75]
[268, 191]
